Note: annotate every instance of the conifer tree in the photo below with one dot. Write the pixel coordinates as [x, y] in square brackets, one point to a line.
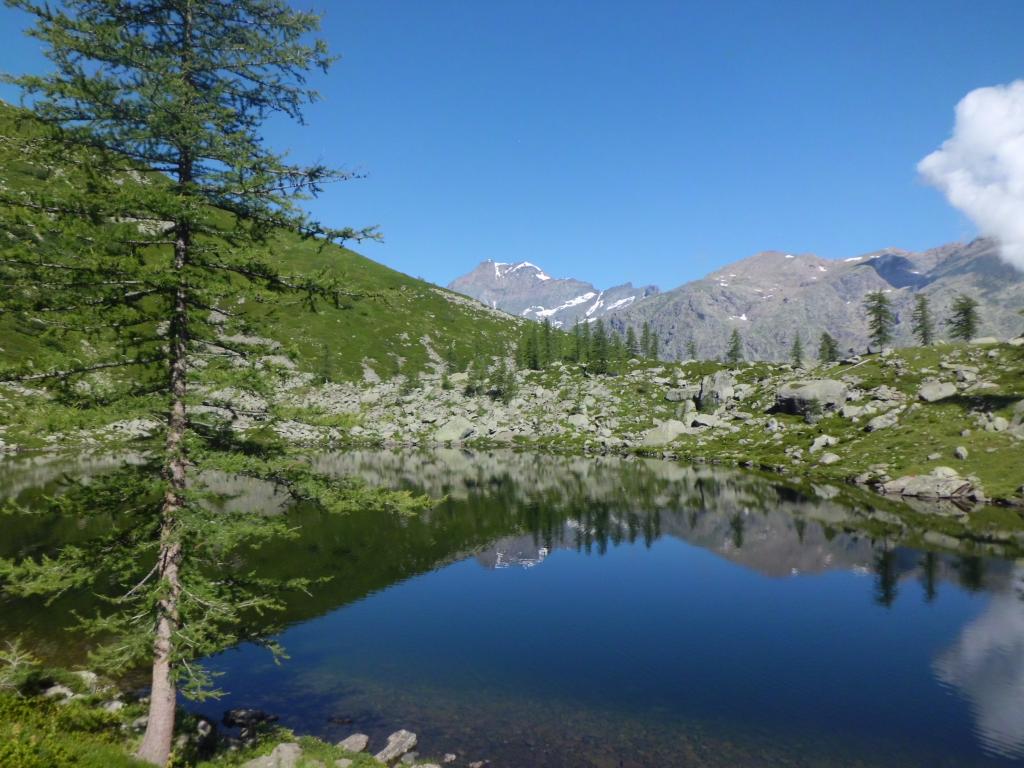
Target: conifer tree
[135, 261]
[735, 353]
[923, 327]
[880, 318]
[796, 352]
[691, 349]
[963, 322]
[585, 344]
[547, 344]
[654, 344]
[632, 348]
[828, 348]
[645, 339]
[600, 349]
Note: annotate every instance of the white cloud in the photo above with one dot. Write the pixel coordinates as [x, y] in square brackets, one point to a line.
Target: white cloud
[980, 168]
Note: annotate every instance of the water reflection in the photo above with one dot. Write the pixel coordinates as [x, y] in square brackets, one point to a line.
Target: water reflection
[714, 617]
[986, 664]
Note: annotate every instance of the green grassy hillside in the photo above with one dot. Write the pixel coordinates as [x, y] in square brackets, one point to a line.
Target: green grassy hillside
[396, 325]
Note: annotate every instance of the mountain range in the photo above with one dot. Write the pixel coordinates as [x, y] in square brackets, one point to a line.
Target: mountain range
[770, 298]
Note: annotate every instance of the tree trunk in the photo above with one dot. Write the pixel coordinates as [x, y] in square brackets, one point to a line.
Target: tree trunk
[156, 744]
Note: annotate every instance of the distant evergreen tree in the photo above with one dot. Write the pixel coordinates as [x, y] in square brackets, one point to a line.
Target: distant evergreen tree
[654, 344]
[632, 347]
[585, 343]
[547, 344]
[617, 352]
[645, 339]
[477, 381]
[735, 352]
[828, 348]
[691, 349]
[881, 319]
[963, 323]
[502, 382]
[923, 327]
[600, 349]
[796, 352]
[529, 354]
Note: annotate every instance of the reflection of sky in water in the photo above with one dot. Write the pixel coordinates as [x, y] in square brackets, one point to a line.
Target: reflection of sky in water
[986, 664]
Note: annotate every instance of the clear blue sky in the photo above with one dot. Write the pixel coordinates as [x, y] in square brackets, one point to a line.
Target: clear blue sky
[646, 141]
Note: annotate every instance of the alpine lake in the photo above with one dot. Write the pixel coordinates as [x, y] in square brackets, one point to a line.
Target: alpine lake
[605, 612]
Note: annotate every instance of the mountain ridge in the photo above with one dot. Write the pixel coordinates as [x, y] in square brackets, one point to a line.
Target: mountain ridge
[771, 296]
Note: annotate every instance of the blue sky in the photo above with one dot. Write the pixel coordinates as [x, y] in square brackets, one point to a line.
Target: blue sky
[646, 141]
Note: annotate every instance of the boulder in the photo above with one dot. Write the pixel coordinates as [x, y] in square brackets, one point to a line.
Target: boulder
[884, 421]
[828, 458]
[809, 396]
[678, 394]
[823, 441]
[455, 430]
[940, 483]
[398, 744]
[705, 420]
[579, 421]
[937, 390]
[985, 341]
[716, 390]
[666, 432]
[284, 756]
[357, 742]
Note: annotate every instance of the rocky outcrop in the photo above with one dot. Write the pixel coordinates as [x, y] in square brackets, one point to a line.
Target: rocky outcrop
[940, 483]
[399, 743]
[809, 396]
[935, 391]
[716, 390]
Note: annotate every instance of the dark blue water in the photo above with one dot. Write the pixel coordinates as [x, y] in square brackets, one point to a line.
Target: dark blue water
[568, 613]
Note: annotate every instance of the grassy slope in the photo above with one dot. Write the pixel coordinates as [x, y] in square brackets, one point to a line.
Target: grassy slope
[384, 328]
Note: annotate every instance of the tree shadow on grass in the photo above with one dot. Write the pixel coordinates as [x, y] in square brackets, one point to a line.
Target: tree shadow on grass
[980, 401]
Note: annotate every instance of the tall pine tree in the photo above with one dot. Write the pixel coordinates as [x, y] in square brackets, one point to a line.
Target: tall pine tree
[923, 327]
[963, 320]
[881, 319]
[828, 348]
[156, 238]
[734, 354]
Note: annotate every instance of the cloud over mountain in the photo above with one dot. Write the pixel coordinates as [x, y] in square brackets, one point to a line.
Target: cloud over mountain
[980, 168]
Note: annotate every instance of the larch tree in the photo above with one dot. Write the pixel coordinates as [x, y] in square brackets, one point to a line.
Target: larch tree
[796, 352]
[881, 318]
[922, 325]
[632, 348]
[963, 320]
[734, 354]
[154, 240]
[828, 348]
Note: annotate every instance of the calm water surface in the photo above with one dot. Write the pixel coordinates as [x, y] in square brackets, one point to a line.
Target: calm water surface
[570, 612]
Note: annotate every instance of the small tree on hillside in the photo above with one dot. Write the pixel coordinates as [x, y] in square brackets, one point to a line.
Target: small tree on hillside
[923, 327]
[691, 349]
[828, 348]
[632, 348]
[881, 319]
[645, 339]
[796, 352]
[654, 345]
[600, 349]
[735, 352]
[963, 322]
[547, 344]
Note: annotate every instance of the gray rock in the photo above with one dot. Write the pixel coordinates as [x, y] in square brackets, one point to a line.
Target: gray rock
[810, 395]
[579, 421]
[938, 390]
[455, 430]
[716, 390]
[823, 441]
[357, 742]
[58, 691]
[960, 452]
[342, 762]
[939, 484]
[666, 432]
[705, 420]
[828, 458]
[678, 394]
[398, 744]
[884, 421]
[284, 756]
